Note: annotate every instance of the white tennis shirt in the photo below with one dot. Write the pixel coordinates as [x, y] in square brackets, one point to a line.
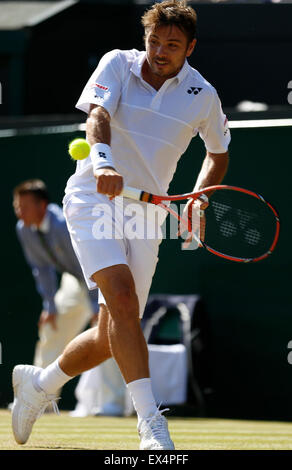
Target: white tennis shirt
[150, 129]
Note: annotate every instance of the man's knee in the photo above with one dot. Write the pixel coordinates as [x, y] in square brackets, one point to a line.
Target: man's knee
[118, 287]
[125, 304]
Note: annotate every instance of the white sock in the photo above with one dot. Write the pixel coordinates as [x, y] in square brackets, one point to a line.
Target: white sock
[142, 396]
[52, 378]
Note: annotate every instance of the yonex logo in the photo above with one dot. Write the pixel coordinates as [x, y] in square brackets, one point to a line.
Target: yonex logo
[194, 90]
[102, 155]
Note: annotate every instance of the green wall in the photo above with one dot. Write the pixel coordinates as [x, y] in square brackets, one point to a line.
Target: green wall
[249, 305]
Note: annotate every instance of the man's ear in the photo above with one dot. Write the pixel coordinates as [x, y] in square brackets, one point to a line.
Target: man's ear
[191, 47]
[44, 204]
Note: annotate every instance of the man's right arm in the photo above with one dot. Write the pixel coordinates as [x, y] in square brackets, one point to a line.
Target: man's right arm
[45, 275]
[98, 125]
[98, 133]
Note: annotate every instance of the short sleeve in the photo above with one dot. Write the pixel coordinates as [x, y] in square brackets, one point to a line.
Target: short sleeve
[214, 129]
[104, 86]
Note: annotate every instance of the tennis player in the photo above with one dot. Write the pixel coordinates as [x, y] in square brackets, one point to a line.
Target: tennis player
[143, 110]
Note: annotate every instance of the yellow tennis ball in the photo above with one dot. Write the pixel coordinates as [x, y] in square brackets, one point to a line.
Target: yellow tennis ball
[79, 149]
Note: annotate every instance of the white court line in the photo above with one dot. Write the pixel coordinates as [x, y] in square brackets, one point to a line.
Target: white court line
[260, 123]
[246, 123]
[70, 128]
[59, 129]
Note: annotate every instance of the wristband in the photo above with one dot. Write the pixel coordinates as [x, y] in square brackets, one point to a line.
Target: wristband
[101, 156]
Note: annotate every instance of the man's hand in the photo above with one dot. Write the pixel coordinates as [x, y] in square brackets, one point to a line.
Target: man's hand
[109, 182]
[193, 216]
[45, 317]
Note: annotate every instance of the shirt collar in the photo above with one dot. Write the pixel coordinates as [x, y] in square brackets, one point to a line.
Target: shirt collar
[183, 72]
[137, 68]
[137, 64]
[44, 226]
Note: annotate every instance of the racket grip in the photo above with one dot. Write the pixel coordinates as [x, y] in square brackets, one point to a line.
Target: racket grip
[131, 193]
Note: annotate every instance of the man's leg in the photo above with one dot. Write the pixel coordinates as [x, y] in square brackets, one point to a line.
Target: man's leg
[84, 352]
[35, 388]
[130, 350]
[126, 338]
[119, 335]
[74, 312]
[88, 349]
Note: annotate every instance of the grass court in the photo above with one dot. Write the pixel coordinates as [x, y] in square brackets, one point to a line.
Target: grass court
[52, 432]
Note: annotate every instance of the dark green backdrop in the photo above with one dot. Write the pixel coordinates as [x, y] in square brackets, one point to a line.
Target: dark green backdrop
[249, 306]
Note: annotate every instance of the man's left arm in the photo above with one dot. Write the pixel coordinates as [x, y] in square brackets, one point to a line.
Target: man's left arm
[213, 170]
[214, 131]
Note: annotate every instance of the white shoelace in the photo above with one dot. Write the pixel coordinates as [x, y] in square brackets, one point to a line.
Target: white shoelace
[32, 410]
[159, 429]
[53, 402]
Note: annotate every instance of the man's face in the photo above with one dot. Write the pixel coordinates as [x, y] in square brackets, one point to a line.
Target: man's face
[167, 48]
[29, 209]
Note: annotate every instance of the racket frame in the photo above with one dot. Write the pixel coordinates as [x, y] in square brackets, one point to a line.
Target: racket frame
[149, 198]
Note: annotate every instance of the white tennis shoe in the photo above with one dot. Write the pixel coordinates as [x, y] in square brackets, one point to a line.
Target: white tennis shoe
[29, 404]
[154, 434]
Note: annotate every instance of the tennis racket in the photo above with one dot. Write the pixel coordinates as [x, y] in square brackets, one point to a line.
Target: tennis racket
[240, 224]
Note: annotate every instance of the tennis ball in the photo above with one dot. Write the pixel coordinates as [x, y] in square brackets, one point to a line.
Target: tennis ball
[79, 149]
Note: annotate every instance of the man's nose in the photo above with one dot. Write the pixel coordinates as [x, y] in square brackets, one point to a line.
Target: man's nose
[160, 51]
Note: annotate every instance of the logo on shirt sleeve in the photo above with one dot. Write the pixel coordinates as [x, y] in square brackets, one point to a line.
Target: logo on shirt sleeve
[100, 91]
[194, 90]
[98, 85]
[226, 127]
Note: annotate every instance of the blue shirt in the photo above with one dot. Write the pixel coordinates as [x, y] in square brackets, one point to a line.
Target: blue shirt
[44, 268]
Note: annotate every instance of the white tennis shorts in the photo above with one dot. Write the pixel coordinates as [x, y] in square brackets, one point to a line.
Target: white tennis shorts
[106, 233]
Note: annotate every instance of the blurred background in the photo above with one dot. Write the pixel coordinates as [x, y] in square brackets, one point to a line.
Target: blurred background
[48, 49]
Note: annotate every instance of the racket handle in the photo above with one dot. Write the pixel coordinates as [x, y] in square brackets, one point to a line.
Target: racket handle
[132, 193]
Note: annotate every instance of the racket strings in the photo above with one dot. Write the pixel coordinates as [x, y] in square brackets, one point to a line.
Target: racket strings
[239, 224]
[229, 227]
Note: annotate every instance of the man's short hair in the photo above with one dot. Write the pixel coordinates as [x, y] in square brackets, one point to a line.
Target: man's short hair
[35, 187]
[172, 12]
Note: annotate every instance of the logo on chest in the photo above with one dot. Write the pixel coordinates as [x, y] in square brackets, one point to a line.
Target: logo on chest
[193, 90]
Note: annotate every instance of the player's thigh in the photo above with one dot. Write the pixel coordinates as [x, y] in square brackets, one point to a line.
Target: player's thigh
[92, 227]
[133, 280]
[142, 259]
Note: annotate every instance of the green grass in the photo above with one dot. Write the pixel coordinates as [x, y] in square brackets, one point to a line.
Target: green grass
[53, 432]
